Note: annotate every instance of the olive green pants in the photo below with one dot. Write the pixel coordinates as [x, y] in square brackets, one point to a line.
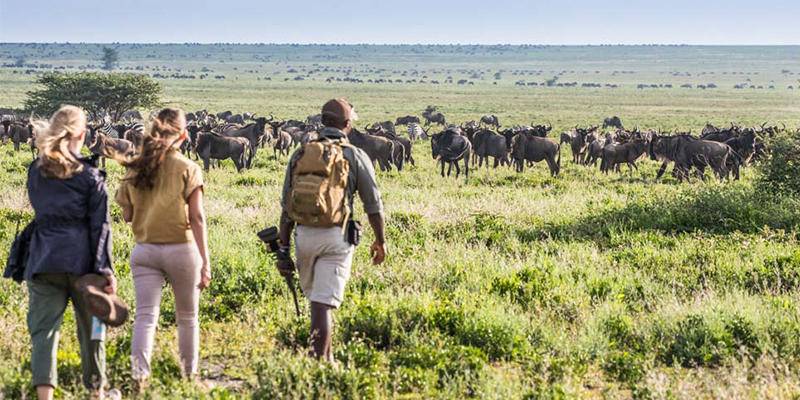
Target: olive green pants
[48, 295]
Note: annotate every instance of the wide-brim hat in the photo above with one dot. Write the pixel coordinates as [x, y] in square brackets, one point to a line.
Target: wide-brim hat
[109, 308]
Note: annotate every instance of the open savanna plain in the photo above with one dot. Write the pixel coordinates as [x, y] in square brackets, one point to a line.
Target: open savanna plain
[507, 285]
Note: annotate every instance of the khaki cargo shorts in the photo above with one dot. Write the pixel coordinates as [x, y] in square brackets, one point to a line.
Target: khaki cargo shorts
[324, 259]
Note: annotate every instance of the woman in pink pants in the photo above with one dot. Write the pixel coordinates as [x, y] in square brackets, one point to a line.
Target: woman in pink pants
[162, 197]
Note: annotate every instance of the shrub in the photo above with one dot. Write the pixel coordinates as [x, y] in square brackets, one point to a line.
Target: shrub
[779, 274]
[780, 173]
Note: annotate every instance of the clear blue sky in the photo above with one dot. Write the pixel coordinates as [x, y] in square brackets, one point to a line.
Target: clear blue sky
[403, 21]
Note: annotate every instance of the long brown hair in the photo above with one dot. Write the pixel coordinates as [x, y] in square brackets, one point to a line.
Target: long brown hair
[53, 138]
[165, 130]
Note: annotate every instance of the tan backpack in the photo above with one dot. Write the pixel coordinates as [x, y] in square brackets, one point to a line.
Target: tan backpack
[319, 185]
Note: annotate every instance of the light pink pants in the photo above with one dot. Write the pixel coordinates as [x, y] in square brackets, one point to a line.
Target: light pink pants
[180, 265]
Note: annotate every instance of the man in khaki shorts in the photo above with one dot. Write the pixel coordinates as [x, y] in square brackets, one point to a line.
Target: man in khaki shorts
[325, 254]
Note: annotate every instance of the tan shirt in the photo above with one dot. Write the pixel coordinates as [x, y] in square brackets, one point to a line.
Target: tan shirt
[161, 215]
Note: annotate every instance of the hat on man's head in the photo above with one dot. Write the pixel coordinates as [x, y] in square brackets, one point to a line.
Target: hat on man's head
[338, 111]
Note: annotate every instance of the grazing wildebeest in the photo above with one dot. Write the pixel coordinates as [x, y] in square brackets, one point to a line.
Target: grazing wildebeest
[381, 130]
[491, 120]
[408, 119]
[613, 122]
[490, 144]
[687, 151]
[595, 150]
[433, 117]
[627, 153]
[526, 147]
[450, 147]
[120, 150]
[252, 132]
[214, 146]
[377, 148]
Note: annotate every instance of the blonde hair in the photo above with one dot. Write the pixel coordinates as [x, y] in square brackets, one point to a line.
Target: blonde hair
[53, 138]
[165, 130]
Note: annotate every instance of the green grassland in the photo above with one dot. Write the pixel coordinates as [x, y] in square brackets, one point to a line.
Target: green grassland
[505, 286]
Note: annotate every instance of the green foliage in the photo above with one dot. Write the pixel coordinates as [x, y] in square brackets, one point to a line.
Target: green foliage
[508, 286]
[780, 173]
[95, 92]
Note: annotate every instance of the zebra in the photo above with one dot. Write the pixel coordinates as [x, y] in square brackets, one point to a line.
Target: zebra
[228, 126]
[108, 129]
[416, 132]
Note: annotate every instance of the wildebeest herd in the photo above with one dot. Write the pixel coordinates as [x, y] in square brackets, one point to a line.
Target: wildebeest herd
[238, 137]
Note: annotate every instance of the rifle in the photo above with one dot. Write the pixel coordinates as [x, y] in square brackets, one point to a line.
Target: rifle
[270, 237]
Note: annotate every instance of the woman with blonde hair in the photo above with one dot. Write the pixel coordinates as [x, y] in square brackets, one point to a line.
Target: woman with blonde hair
[71, 239]
[162, 197]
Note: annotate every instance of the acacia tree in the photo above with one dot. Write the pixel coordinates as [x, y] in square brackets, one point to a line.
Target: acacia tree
[97, 93]
[110, 58]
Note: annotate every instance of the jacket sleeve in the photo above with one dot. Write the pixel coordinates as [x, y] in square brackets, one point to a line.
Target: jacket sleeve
[99, 224]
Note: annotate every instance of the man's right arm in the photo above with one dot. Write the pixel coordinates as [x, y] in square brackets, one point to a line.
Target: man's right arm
[368, 192]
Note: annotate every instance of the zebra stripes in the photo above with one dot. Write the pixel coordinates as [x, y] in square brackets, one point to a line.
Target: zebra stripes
[108, 129]
[416, 132]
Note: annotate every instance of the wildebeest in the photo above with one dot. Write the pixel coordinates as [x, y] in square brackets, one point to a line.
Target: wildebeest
[377, 148]
[613, 122]
[282, 143]
[687, 152]
[449, 147]
[526, 147]
[490, 144]
[579, 140]
[595, 149]
[491, 120]
[615, 154]
[433, 117]
[381, 130]
[224, 115]
[215, 146]
[120, 150]
[408, 119]
[235, 119]
[20, 133]
[252, 132]
[314, 120]
[744, 145]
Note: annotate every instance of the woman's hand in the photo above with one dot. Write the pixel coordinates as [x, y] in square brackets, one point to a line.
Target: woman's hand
[111, 288]
[205, 277]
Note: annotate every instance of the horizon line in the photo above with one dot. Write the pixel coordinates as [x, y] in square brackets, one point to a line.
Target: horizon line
[417, 44]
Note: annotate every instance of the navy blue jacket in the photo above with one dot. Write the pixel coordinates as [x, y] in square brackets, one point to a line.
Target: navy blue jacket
[73, 233]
